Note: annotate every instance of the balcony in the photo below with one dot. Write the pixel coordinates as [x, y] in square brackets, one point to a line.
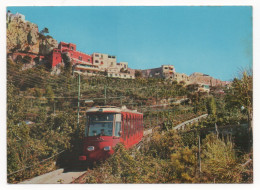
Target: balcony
[87, 67]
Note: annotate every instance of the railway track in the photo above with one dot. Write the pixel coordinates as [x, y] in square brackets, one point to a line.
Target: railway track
[62, 176]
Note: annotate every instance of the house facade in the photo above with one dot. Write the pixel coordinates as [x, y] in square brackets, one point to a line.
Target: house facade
[165, 72]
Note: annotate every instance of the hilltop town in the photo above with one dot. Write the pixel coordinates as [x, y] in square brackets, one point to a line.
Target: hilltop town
[33, 47]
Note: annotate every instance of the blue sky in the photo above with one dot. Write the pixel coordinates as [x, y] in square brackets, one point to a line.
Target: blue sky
[211, 40]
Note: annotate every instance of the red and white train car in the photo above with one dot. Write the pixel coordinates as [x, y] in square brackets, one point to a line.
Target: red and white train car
[107, 126]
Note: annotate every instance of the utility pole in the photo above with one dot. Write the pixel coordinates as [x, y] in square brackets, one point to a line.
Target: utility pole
[78, 101]
[156, 96]
[199, 158]
[105, 92]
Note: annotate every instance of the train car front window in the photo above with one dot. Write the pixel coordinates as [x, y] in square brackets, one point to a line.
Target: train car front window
[101, 125]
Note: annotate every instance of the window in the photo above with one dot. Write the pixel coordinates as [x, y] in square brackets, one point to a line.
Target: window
[88, 60]
[124, 66]
[116, 75]
[96, 55]
[100, 124]
[111, 63]
[80, 58]
[96, 61]
[117, 129]
[102, 63]
[124, 75]
[109, 56]
[111, 75]
[72, 48]
[113, 57]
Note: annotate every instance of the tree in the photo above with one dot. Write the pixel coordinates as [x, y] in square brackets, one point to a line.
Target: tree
[219, 161]
[241, 96]
[211, 106]
[44, 30]
[192, 87]
[38, 92]
[67, 63]
[26, 59]
[138, 74]
[49, 93]
[184, 164]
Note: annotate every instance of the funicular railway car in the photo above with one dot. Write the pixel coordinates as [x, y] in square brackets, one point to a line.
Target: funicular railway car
[107, 126]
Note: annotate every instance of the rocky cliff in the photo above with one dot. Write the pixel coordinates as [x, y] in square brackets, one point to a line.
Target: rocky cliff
[24, 36]
[47, 44]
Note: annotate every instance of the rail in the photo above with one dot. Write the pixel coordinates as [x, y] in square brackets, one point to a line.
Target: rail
[181, 126]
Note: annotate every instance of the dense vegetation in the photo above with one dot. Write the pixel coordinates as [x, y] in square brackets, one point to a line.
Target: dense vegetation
[168, 159]
[42, 122]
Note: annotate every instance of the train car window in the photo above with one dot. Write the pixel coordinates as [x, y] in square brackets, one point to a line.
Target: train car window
[117, 129]
[100, 124]
[118, 125]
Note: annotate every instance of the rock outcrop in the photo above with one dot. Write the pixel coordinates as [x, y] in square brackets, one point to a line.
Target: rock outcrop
[47, 44]
[24, 36]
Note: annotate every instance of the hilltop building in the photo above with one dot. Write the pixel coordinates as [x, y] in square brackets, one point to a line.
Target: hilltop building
[182, 77]
[165, 72]
[203, 79]
[108, 64]
[90, 65]
[81, 62]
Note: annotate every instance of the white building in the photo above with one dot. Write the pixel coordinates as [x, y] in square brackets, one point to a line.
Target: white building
[108, 63]
[10, 17]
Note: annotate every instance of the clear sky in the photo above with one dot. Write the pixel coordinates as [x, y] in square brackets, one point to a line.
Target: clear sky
[211, 40]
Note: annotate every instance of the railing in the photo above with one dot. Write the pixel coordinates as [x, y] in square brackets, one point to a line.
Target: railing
[86, 67]
[182, 125]
[27, 167]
